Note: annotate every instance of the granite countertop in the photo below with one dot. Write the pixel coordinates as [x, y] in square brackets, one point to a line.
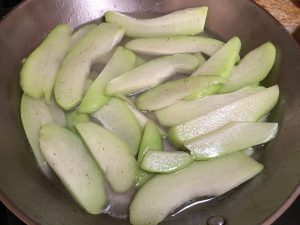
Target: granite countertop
[287, 12]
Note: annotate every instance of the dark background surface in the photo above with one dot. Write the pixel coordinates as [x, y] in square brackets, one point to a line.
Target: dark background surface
[290, 217]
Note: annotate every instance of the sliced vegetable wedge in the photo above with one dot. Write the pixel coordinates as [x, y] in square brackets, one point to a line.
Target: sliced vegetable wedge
[200, 57]
[73, 164]
[182, 22]
[112, 155]
[249, 108]
[143, 119]
[35, 113]
[232, 137]
[151, 140]
[170, 92]
[81, 32]
[183, 111]
[122, 61]
[174, 45]
[88, 83]
[76, 117]
[118, 118]
[221, 62]
[40, 68]
[165, 162]
[164, 193]
[143, 177]
[70, 81]
[151, 74]
[140, 117]
[210, 90]
[253, 68]
[139, 61]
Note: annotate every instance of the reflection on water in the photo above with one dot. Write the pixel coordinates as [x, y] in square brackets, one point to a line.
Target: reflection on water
[190, 204]
[119, 202]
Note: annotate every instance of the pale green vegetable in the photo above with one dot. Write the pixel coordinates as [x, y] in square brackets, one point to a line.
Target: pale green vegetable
[143, 177]
[76, 117]
[152, 73]
[139, 61]
[174, 45]
[80, 33]
[151, 140]
[88, 83]
[207, 91]
[165, 162]
[112, 155]
[40, 68]
[232, 137]
[238, 59]
[73, 164]
[183, 111]
[249, 108]
[182, 22]
[200, 57]
[124, 149]
[70, 82]
[164, 193]
[210, 90]
[255, 84]
[143, 119]
[221, 62]
[118, 118]
[35, 113]
[172, 91]
[140, 117]
[253, 68]
[123, 60]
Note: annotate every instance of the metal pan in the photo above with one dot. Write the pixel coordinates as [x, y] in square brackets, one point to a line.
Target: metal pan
[36, 200]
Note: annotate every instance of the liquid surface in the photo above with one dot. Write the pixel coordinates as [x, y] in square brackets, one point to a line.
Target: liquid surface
[119, 202]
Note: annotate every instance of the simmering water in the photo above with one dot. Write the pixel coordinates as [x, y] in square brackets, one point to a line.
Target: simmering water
[119, 202]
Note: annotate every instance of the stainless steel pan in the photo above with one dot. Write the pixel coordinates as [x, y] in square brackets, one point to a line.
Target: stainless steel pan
[36, 200]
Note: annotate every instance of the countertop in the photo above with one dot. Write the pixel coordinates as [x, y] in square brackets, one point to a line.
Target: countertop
[287, 12]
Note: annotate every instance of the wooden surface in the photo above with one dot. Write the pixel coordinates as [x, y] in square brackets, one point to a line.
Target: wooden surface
[287, 12]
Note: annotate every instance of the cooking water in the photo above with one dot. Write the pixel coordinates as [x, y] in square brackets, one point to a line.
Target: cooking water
[119, 202]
